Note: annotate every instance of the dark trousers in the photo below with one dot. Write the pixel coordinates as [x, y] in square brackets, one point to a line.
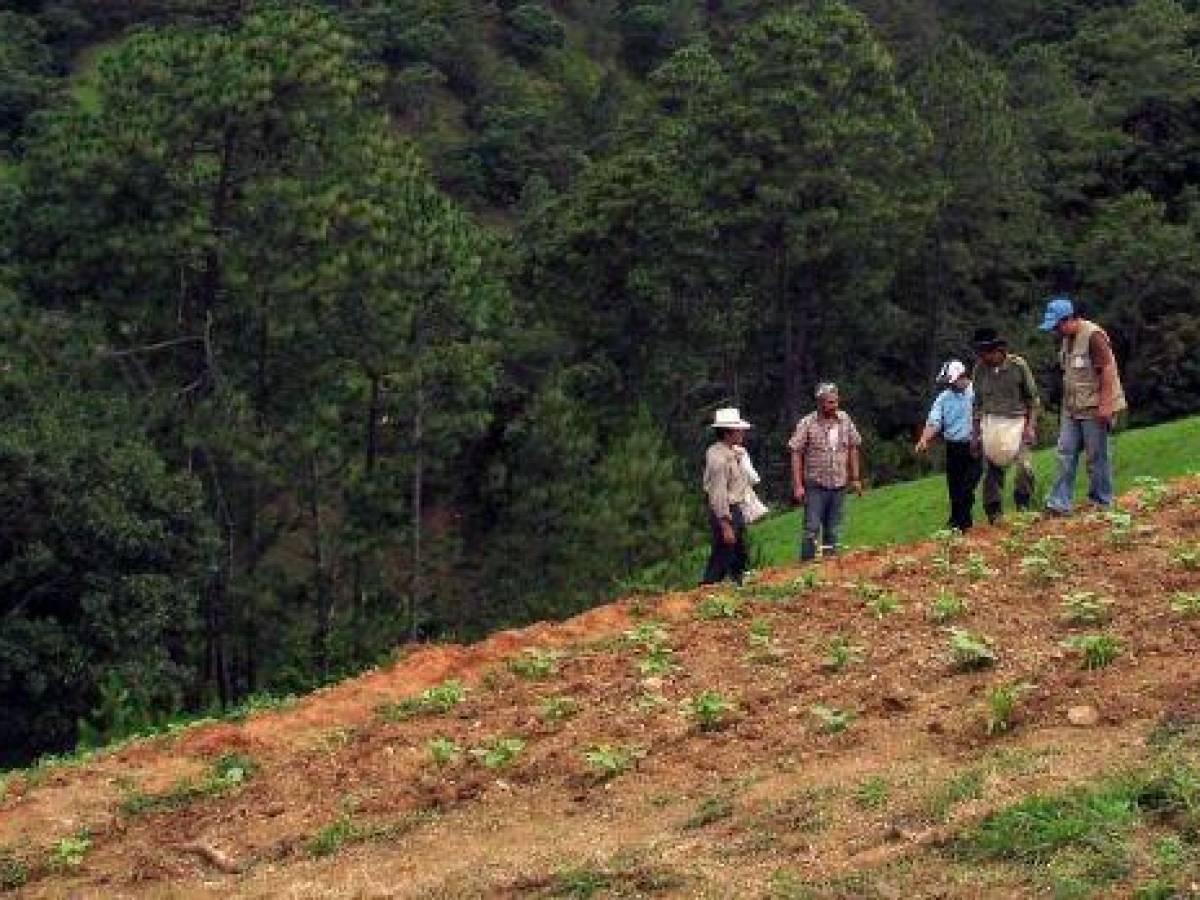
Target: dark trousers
[726, 560]
[822, 520]
[963, 471]
[1023, 484]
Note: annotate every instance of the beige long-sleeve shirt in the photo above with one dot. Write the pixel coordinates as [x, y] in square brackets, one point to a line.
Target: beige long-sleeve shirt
[725, 481]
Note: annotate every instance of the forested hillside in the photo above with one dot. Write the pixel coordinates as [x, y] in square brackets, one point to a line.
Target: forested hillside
[329, 325]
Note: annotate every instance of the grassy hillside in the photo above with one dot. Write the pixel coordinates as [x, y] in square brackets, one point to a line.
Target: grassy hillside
[905, 512]
[884, 725]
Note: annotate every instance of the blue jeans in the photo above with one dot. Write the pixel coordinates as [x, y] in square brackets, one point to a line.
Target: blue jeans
[1091, 437]
[823, 517]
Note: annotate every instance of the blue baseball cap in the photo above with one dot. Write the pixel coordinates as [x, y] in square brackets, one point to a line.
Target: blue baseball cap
[1058, 308]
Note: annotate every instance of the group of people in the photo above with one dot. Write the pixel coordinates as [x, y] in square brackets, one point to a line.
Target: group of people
[987, 419]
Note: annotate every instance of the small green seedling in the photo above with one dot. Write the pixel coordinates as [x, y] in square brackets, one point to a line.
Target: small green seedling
[649, 702]
[970, 651]
[14, 871]
[607, 761]
[876, 599]
[1013, 544]
[1186, 605]
[711, 809]
[1120, 527]
[1002, 704]
[947, 607]
[830, 719]
[659, 660]
[1096, 650]
[975, 568]
[1041, 569]
[1085, 608]
[436, 700]
[1152, 492]
[719, 606]
[443, 751]
[710, 710]
[808, 581]
[648, 634]
[947, 541]
[841, 653]
[896, 565]
[872, 793]
[866, 591]
[535, 664]
[763, 649]
[69, 852]
[500, 752]
[556, 709]
[1187, 558]
[329, 839]
[883, 605]
[760, 633]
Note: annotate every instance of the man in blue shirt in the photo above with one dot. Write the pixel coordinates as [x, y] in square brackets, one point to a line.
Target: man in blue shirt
[950, 416]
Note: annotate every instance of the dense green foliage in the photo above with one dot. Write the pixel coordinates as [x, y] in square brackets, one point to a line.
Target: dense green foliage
[342, 323]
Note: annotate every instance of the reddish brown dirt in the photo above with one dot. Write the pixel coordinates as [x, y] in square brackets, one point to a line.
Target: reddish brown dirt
[787, 791]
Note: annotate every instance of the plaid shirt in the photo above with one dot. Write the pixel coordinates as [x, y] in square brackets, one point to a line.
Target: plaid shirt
[826, 454]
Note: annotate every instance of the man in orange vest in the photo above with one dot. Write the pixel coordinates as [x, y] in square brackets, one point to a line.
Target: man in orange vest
[1092, 396]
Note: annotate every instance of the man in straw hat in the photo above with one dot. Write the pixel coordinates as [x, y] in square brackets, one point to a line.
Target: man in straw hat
[1092, 395]
[950, 416]
[1003, 420]
[727, 485]
[824, 463]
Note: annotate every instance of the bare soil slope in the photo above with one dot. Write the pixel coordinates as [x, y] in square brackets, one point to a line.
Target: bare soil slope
[791, 739]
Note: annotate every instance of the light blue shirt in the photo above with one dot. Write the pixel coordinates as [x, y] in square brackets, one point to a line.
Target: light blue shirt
[951, 414]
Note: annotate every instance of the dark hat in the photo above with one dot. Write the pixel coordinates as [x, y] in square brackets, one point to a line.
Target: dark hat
[988, 339]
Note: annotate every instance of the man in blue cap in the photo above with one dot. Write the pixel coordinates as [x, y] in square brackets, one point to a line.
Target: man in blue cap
[1092, 396]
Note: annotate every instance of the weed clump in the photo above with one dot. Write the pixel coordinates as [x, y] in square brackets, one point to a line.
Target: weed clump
[437, 700]
[1085, 608]
[711, 809]
[710, 710]
[229, 772]
[947, 607]
[1095, 650]
[969, 651]
[840, 653]
[499, 753]
[443, 751]
[558, 708]
[831, 719]
[607, 761]
[1186, 606]
[1001, 703]
[878, 601]
[535, 664]
[719, 606]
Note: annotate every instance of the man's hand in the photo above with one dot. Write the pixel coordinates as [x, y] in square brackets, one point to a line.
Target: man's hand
[798, 492]
[1105, 418]
[857, 485]
[1029, 435]
[976, 445]
[727, 534]
[922, 445]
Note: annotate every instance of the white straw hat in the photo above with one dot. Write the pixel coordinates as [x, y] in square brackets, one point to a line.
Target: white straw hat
[729, 417]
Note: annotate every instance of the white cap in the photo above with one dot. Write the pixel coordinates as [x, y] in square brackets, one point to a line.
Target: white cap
[951, 372]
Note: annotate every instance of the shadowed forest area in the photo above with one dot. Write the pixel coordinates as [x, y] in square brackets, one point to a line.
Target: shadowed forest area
[334, 325]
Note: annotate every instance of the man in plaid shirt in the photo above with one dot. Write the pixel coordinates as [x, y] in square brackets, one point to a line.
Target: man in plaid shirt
[825, 462]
